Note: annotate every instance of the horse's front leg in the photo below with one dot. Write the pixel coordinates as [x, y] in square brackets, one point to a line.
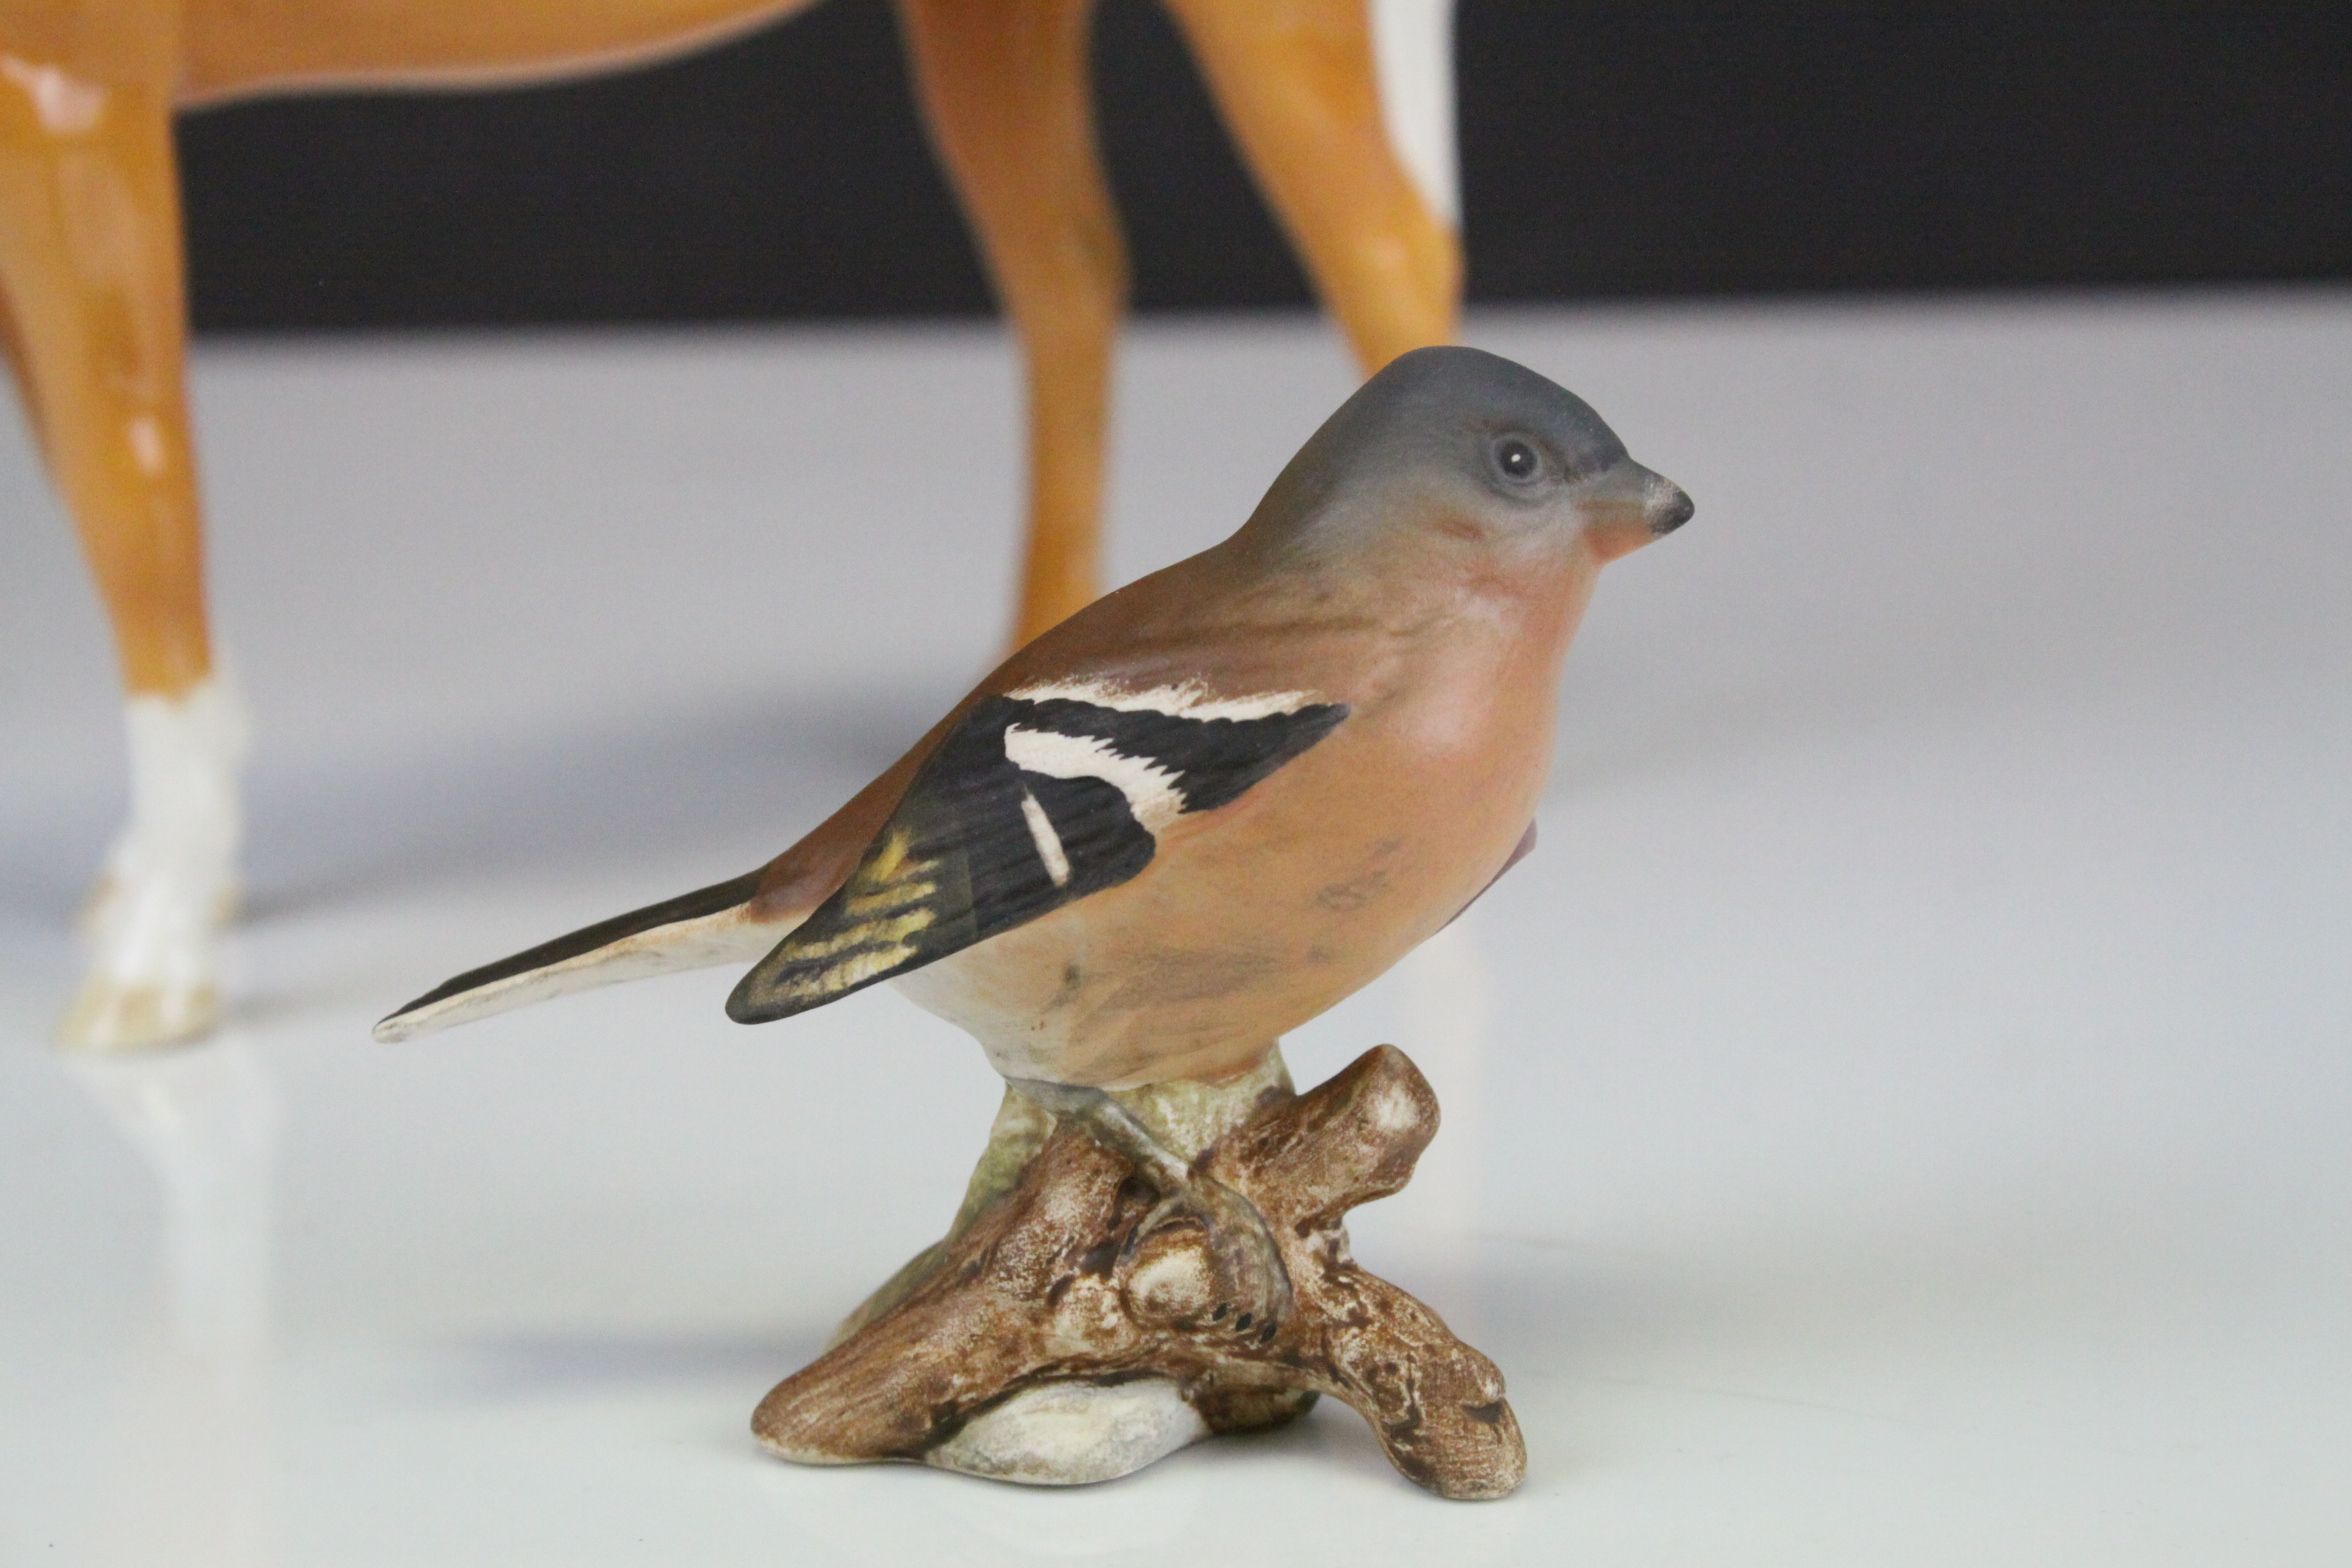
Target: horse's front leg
[90, 265]
[1004, 88]
[1348, 132]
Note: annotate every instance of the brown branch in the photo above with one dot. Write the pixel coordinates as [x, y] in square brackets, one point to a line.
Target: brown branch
[1051, 1285]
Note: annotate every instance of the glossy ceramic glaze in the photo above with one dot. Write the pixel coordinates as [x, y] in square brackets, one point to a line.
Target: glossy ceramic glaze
[1188, 820]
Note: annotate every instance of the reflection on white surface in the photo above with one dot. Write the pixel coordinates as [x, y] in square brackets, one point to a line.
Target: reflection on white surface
[192, 1461]
[1041, 1525]
[1447, 1018]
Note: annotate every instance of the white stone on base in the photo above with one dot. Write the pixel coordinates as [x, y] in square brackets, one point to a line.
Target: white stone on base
[1071, 1434]
[171, 879]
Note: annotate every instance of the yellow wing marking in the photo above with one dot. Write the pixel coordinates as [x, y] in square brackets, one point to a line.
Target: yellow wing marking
[884, 910]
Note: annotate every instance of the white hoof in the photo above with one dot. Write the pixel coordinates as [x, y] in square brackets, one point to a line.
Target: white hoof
[109, 896]
[170, 882]
[110, 1015]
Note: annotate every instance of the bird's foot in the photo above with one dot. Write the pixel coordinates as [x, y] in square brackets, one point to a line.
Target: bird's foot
[1251, 1288]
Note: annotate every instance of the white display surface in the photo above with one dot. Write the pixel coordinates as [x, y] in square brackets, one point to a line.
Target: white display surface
[1901, 1114]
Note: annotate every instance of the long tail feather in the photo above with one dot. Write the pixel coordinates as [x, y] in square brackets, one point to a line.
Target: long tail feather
[711, 925]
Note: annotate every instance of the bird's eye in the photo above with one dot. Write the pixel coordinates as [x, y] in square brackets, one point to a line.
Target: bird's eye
[1515, 460]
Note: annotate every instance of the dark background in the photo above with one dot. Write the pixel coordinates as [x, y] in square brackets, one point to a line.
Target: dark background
[1624, 149]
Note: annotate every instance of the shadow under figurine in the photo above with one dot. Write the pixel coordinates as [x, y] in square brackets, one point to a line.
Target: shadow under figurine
[1183, 822]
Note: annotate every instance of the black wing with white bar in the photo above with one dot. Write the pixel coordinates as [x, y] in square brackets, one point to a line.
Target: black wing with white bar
[1035, 800]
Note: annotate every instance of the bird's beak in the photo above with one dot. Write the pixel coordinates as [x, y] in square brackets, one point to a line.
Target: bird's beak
[1633, 507]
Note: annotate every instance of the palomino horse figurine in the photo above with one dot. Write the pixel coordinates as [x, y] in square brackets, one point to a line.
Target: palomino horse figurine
[1341, 108]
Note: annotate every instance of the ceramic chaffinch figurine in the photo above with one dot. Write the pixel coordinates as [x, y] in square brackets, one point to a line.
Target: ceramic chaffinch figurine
[1208, 807]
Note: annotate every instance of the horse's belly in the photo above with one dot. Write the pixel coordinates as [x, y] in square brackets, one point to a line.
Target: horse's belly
[234, 47]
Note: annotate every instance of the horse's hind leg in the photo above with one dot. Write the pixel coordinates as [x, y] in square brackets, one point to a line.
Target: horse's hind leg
[1299, 86]
[90, 263]
[1004, 87]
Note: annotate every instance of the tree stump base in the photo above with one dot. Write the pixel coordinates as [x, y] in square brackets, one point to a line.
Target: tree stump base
[1045, 1341]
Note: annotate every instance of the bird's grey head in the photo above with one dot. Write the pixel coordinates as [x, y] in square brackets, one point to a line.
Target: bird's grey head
[1492, 449]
